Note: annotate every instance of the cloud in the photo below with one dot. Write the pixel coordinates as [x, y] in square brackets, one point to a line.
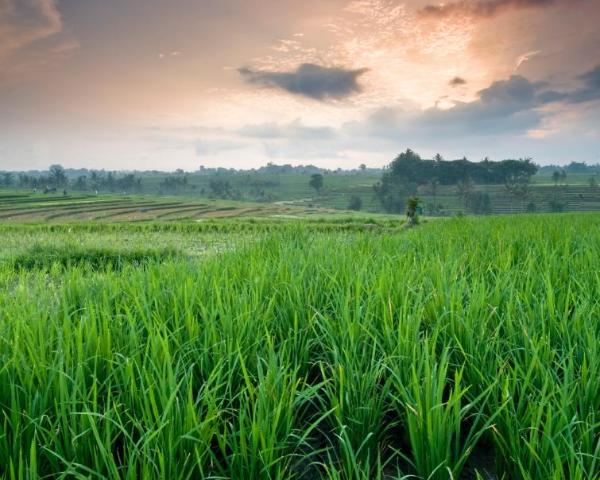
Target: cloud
[214, 147]
[294, 140]
[294, 130]
[514, 107]
[480, 8]
[505, 107]
[309, 80]
[456, 81]
[505, 116]
[31, 35]
[26, 21]
[525, 58]
[589, 91]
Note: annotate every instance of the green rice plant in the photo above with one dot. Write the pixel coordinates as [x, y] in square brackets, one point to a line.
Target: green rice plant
[443, 424]
[301, 349]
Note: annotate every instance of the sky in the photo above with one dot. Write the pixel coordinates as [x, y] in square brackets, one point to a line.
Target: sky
[168, 84]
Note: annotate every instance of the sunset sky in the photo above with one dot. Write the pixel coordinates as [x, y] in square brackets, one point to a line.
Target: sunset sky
[166, 84]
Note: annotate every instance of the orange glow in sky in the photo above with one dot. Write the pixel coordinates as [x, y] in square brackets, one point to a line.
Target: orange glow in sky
[162, 85]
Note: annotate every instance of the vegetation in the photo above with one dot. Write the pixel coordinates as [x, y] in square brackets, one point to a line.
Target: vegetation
[464, 348]
[316, 182]
[355, 203]
[71, 208]
[412, 204]
[408, 171]
[445, 187]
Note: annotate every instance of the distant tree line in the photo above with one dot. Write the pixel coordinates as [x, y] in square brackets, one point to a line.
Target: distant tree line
[408, 171]
[271, 168]
[413, 169]
[573, 167]
[56, 178]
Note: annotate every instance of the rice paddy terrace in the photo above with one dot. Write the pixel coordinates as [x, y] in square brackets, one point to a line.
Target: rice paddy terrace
[17, 207]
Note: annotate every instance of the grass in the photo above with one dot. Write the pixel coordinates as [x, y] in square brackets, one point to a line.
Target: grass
[42, 257]
[464, 348]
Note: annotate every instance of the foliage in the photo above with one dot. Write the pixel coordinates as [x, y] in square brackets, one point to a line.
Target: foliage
[413, 169]
[174, 183]
[301, 350]
[395, 186]
[57, 176]
[479, 203]
[316, 182]
[412, 205]
[355, 203]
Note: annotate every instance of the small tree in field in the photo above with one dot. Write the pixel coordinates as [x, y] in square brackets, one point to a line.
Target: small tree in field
[411, 211]
[316, 182]
[464, 188]
[355, 203]
[556, 178]
[57, 175]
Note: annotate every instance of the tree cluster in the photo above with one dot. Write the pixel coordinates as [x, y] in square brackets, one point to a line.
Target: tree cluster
[414, 169]
[408, 170]
[57, 178]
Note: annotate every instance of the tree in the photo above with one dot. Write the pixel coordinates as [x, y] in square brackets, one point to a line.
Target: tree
[434, 180]
[57, 175]
[7, 179]
[95, 180]
[411, 211]
[563, 177]
[110, 181]
[577, 167]
[397, 182]
[517, 186]
[219, 188]
[362, 167]
[81, 183]
[24, 180]
[479, 203]
[464, 189]
[593, 183]
[316, 182]
[355, 203]
[556, 178]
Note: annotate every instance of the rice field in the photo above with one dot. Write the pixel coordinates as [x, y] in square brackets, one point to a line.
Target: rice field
[273, 348]
[22, 207]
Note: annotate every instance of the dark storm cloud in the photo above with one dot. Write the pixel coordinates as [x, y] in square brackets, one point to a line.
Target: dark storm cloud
[456, 81]
[505, 107]
[511, 106]
[589, 91]
[309, 80]
[481, 8]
